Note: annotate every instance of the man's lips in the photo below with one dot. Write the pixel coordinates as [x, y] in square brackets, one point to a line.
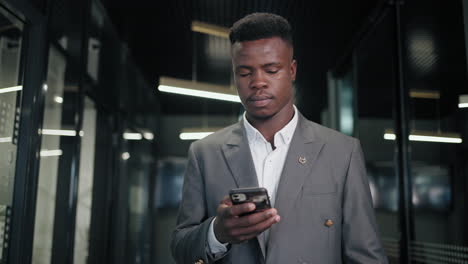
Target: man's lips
[259, 97]
[260, 100]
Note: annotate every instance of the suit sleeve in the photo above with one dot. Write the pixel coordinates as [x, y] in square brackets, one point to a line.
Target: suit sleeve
[361, 243]
[189, 239]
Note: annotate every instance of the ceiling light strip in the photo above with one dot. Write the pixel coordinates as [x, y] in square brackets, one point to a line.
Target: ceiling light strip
[132, 136]
[434, 139]
[463, 101]
[6, 139]
[51, 153]
[58, 99]
[199, 93]
[148, 135]
[138, 136]
[193, 135]
[59, 132]
[424, 94]
[125, 156]
[210, 29]
[425, 138]
[11, 89]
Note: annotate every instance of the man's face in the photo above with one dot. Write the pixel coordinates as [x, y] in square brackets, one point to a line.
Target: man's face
[264, 71]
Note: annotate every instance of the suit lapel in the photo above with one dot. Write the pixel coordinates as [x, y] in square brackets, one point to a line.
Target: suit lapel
[303, 151]
[239, 158]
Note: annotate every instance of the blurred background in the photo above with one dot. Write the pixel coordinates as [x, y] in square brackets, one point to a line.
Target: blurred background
[100, 100]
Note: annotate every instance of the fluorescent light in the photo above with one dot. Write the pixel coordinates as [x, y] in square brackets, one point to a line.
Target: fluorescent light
[148, 135]
[205, 94]
[198, 89]
[59, 132]
[463, 101]
[424, 94]
[11, 89]
[51, 153]
[428, 137]
[125, 156]
[138, 136]
[435, 139]
[6, 139]
[194, 135]
[389, 136]
[132, 136]
[58, 99]
[210, 29]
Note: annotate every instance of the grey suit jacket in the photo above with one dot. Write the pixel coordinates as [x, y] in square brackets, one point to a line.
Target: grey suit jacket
[330, 185]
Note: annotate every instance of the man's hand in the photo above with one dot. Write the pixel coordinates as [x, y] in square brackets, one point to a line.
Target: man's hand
[230, 227]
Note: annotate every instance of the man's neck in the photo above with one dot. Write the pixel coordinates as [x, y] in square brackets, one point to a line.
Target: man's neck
[268, 127]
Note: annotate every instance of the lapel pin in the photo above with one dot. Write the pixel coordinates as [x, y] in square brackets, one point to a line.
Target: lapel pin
[329, 223]
[302, 160]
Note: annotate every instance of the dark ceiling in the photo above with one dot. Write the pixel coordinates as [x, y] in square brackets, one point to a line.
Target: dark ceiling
[160, 38]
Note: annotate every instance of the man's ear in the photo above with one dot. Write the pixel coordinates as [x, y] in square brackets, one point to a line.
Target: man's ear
[293, 69]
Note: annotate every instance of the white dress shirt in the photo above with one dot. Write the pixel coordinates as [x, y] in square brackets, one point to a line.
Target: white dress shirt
[268, 164]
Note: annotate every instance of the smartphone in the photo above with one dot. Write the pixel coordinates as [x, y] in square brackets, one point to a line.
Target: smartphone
[257, 195]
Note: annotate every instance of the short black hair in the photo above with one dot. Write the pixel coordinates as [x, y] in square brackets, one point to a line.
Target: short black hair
[259, 26]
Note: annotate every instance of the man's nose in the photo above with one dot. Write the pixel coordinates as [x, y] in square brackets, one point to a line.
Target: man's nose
[258, 80]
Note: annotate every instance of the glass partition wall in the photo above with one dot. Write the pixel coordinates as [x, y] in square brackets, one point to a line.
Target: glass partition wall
[86, 189]
[375, 115]
[11, 35]
[408, 77]
[362, 105]
[436, 79]
[51, 153]
[11, 31]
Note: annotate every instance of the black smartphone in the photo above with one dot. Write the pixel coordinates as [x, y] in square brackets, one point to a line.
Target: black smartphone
[256, 195]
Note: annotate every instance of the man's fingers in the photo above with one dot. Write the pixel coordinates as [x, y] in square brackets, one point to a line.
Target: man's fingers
[228, 211]
[240, 209]
[256, 229]
[226, 200]
[222, 209]
[253, 219]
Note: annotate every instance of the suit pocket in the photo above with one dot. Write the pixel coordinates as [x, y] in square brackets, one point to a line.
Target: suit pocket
[321, 199]
[319, 189]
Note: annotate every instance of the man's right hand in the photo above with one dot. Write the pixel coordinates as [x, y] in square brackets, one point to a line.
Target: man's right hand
[231, 227]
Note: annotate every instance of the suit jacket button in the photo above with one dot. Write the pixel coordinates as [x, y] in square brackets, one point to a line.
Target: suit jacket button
[329, 223]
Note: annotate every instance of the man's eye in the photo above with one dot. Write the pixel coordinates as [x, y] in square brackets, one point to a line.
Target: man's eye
[244, 74]
[272, 71]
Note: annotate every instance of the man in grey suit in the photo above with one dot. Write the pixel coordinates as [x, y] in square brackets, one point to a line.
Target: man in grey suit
[322, 208]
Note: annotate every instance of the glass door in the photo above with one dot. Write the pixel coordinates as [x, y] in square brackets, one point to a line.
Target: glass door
[11, 31]
[362, 104]
[51, 153]
[438, 131]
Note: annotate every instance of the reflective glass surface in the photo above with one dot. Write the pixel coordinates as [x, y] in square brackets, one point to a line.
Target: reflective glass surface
[11, 30]
[364, 108]
[437, 83]
[85, 183]
[51, 152]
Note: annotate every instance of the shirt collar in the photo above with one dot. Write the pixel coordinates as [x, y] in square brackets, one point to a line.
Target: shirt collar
[283, 136]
